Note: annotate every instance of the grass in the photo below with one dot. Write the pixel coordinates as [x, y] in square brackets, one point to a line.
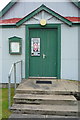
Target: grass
[0, 104]
[4, 102]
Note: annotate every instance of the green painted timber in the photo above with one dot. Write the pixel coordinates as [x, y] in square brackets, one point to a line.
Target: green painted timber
[15, 39]
[43, 7]
[76, 3]
[7, 7]
[55, 32]
[39, 66]
[76, 24]
[8, 26]
[14, 26]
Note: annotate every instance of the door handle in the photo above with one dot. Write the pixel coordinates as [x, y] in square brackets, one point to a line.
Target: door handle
[43, 56]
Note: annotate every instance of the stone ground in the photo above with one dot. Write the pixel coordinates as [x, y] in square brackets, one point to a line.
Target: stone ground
[41, 117]
[57, 85]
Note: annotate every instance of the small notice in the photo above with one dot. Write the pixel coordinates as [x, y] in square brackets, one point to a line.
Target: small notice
[35, 46]
[15, 47]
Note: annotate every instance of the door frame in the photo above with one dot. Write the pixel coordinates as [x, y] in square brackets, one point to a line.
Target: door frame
[29, 26]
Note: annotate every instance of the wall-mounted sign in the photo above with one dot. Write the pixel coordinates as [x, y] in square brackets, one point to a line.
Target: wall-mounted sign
[15, 45]
[35, 46]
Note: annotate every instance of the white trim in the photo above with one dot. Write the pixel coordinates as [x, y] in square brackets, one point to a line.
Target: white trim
[42, 77]
[7, 24]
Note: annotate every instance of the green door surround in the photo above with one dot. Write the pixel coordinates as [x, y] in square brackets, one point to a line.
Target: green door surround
[58, 26]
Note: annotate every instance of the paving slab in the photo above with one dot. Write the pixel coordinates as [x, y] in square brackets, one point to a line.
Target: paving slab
[48, 97]
[26, 116]
[45, 99]
[42, 117]
[57, 86]
[45, 109]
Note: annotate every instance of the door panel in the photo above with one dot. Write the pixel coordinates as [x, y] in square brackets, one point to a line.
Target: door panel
[44, 65]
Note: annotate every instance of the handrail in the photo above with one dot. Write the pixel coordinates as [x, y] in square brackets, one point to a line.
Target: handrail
[13, 67]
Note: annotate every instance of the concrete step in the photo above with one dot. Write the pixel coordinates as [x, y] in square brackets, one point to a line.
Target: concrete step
[62, 110]
[53, 117]
[48, 92]
[45, 99]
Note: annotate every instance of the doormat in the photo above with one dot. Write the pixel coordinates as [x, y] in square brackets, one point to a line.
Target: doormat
[44, 82]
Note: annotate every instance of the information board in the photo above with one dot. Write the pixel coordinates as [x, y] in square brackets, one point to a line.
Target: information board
[15, 47]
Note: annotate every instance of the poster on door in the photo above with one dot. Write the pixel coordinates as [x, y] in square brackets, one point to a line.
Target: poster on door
[35, 46]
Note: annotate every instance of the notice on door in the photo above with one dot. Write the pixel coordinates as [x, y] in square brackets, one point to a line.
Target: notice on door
[35, 46]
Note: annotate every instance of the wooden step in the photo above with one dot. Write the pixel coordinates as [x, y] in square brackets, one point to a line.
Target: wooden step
[45, 99]
[45, 109]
